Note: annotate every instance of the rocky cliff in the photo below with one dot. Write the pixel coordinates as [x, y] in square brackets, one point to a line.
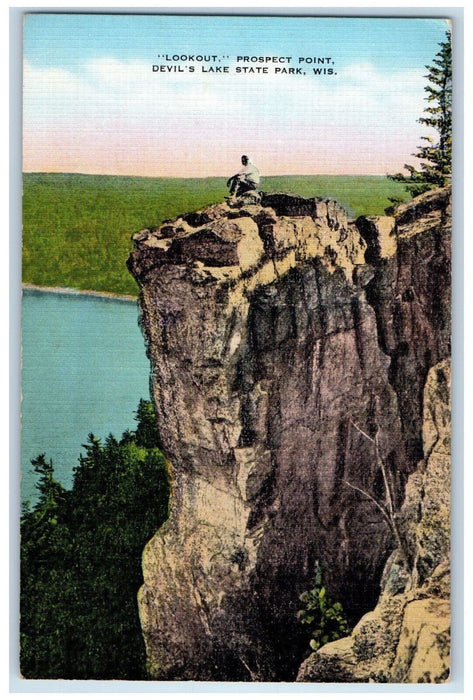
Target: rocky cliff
[286, 344]
[406, 638]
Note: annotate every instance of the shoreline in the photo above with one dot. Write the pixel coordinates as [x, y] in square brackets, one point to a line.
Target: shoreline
[78, 292]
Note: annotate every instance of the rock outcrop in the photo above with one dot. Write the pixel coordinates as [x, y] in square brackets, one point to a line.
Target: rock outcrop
[406, 638]
[282, 337]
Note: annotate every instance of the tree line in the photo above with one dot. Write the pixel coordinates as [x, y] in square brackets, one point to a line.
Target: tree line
[81, 558]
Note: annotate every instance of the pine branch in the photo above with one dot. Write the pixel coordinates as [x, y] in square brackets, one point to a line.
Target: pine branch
[437, 116]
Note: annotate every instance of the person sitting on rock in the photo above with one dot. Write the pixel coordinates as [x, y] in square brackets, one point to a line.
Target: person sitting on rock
[246, 180]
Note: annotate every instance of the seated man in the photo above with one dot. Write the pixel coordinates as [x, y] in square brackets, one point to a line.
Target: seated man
[246, 180]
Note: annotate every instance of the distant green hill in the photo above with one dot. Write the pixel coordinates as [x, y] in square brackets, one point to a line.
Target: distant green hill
[77, 228]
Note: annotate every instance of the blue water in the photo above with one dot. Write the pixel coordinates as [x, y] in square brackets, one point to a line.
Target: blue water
[84, 369]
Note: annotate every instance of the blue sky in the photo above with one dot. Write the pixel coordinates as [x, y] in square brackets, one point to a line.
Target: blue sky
[68, 40]
[93, 104]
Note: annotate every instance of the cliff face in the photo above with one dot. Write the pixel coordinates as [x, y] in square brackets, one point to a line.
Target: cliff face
[281, 336]
[406, 638]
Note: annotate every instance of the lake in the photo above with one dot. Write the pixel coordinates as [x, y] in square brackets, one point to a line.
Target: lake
[84, 370]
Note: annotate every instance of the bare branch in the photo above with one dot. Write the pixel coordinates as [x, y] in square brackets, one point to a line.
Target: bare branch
[253, 675]
[387, 508]
[387, 485]
[361, 431]
[378, 505]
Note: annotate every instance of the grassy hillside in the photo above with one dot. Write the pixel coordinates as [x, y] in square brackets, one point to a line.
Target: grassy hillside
[359, 195]
[77, 228]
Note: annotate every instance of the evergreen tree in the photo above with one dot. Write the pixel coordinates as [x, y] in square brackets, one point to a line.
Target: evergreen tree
[436, 155]
[147, 431]
[81, 559]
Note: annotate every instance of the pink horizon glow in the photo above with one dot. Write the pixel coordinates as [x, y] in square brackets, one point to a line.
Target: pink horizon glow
[115, 156]
[115, 119]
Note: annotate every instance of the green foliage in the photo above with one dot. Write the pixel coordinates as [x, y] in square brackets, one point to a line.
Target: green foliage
[395, 201]
[77, 228]
[326, 618]
[81, 561]
[147, 431]
[436, 154]
[359, 194]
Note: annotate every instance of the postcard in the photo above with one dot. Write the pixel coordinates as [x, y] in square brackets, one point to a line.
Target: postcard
[236, 343]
